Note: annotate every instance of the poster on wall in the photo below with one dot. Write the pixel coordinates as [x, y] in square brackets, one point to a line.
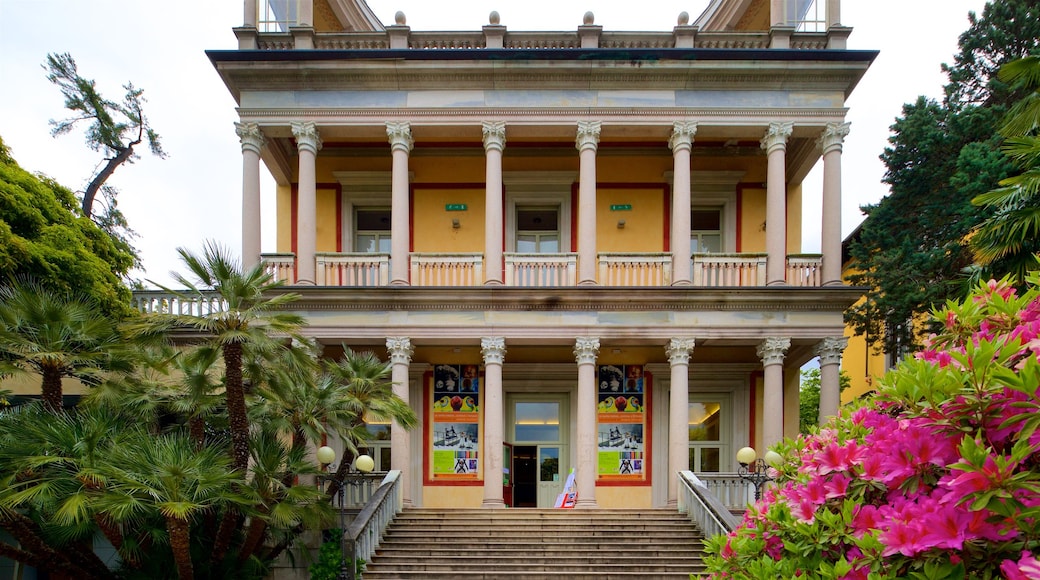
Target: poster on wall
[621, 423]
[456, 422]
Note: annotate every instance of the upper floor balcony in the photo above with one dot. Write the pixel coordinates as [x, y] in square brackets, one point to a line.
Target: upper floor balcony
[531, 270]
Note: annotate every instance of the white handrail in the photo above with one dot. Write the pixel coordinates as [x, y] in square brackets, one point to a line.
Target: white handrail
[703, 507]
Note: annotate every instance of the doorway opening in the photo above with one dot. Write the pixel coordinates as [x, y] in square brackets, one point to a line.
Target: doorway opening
[525, 476]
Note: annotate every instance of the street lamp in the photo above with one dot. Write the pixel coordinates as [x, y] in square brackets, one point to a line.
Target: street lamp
[363, 464]
[755, 470]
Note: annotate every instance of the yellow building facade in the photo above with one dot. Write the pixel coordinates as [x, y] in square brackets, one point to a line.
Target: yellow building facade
[580, 250]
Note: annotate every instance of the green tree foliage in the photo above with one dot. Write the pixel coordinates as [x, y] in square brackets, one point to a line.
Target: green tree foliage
[912, 251]
[809, 398]
[56, 336]
[1008, 242]
[44, 237]
[114, 128]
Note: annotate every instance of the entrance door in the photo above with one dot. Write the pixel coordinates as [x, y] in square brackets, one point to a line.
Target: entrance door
[539, 439]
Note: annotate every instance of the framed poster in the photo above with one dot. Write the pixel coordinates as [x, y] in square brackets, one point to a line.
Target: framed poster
[621, 429]
[455, 411]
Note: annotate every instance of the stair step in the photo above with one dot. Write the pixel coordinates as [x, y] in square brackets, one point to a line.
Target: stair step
[527, 544]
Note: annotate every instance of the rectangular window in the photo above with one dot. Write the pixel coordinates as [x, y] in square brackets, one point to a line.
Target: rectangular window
[538, 230]
[372, 230]
[378, 445]
[706, 436]
[706, 230]
[276, 15]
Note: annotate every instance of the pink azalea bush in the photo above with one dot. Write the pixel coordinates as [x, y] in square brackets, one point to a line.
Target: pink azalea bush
[935, 477]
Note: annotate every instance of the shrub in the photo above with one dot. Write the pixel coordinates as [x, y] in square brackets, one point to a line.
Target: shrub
[936, 477]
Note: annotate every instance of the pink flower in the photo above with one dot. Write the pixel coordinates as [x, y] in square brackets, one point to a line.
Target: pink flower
[904, 539]
[1027, 568]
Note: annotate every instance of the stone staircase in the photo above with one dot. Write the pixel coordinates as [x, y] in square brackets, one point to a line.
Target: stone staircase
[529, 544]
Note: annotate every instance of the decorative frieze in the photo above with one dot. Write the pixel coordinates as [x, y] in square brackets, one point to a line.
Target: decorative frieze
[307, 137]
[400, 136]
[829, 349]
[679, 351]
[773, 349]
[586, 349]
[588, 135]
[493, 348]
[400, 349]
[251, 137]
[776, 136]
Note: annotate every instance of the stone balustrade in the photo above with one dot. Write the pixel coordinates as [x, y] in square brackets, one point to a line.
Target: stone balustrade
[367, 270]
[447, 269]
[718, 270]
[804, 270]
[541, 270]
[635, 269]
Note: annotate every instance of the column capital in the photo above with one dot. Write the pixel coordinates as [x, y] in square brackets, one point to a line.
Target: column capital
[494, 135]
[400, 136]
[679, 351]
[400, 349]
[251, 137]
[830, 348]
[588, 135]
[776, 136]
[833, 137]
[493, 349]
[306, 134]
[682, 135]
[586, 349]
[773, 349]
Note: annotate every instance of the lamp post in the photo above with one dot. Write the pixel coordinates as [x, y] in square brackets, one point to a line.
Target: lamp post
[363, 464]
[755, 470]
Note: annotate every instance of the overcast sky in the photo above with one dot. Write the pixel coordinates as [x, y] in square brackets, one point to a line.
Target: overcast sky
[195, 193]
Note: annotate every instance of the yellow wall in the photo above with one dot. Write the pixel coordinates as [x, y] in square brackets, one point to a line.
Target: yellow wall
[752, 220]
[433, 231]
[327, 209]
[644, 223]
[283, 196]
[624, 497]
[794, 219]
[452, 496]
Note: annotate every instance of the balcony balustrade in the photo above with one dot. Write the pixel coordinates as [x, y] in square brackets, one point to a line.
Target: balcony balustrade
[633, 269]
[548, 270]
[541, 270]
[719, 270]
[447, 269]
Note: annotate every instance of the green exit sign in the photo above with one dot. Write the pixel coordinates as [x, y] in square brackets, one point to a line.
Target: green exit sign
[455, 207]
[621, 207]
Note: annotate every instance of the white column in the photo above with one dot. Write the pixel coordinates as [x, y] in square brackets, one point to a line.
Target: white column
[252, 140]
[400, 350]
[681, 143]
[308, 142]
[585, 351]
[678, 351]
[833, 13]
[829, 350]
[305, 13]
[830, 239]
[494, 144]
[249, 16]
[400, 136]
[587, 143]
[776, 13]
[772, 351]
[494, 351]
[775, 144]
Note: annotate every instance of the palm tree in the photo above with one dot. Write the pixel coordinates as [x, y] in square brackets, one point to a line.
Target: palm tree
[367, 395]
[1008, 241]
[248, 316]
[56, 336]
[167, 477]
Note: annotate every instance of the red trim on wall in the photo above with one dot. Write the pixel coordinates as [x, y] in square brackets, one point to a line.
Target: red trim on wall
[574, 216]
[648, 410]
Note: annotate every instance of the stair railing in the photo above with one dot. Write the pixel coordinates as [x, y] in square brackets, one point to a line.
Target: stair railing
[703, 508]
[363, 535]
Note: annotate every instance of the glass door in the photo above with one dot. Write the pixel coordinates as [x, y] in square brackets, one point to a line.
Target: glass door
[540, 437]
[709, 428]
